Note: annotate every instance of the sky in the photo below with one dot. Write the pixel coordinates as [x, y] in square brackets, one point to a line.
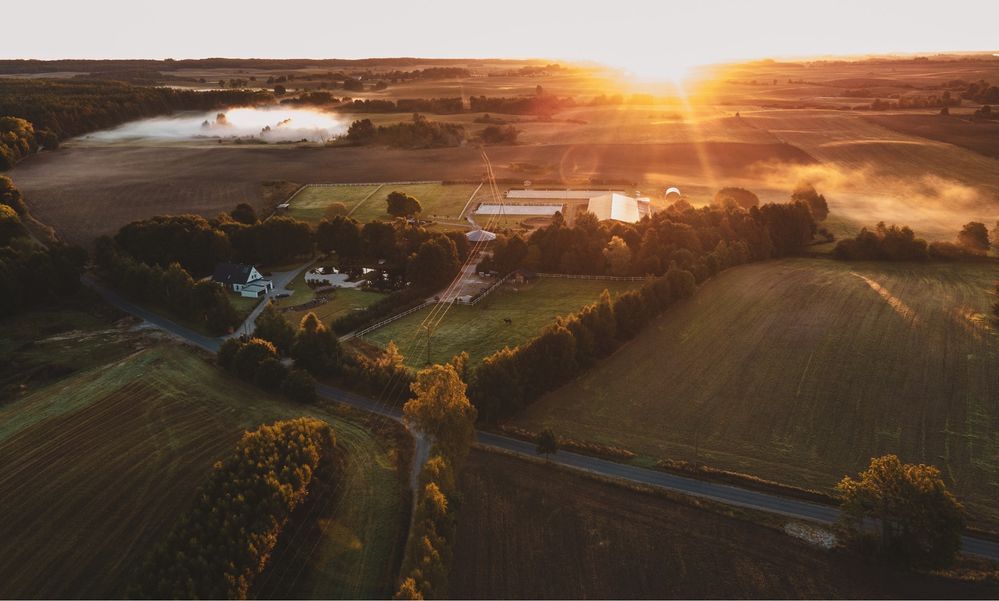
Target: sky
[642, 36]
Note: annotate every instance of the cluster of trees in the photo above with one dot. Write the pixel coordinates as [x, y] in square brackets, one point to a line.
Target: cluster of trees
[171, 288]
[542, 105]
[224, 541]
[401, 204]
[198, 244]
[701, 241]
[32, 274]
[499, 134]
[256, 360]
[736, 198]
[58, 109]
[439, 408]
[980, 91]
[316, 353]
[510, 379]
[18, 139]
[899, 243]
[806, 193]
[920, 520]
[417, 133]
[427, 258]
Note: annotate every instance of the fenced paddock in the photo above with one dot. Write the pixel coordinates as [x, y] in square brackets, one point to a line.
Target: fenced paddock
[366, 201]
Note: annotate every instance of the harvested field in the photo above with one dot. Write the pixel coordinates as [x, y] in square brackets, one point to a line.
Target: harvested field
[481, 330]
[97, 467]
[801, 370]
[531, 531]
[981, 137]
[87, 191]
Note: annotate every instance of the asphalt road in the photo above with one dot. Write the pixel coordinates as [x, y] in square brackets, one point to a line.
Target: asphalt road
[721, 493]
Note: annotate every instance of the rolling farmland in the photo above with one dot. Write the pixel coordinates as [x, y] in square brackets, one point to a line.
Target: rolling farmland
[800, 370]
[531, 531]
[101, 463]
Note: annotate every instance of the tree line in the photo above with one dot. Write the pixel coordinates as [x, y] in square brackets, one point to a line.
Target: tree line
[60, 109]
[696, 240]
[32, 274]
[439, 106]
[441, 410]
[219, 547]
[416, 133]
[510, 379]
[899, 243]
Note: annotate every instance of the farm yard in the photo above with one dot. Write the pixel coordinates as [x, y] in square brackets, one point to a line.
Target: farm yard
[338, 302]
[533, 531]
[480, 329]
[100, 462]
[800, 370]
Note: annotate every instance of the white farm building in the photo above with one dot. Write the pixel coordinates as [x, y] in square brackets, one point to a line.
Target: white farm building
[614, 206]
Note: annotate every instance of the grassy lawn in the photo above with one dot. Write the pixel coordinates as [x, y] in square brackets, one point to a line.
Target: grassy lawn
[533, 531]
[438, 200]
[367, 202]
[312, 202]
[800, 370]
[97, 466]
[342, 301]
[480, 329]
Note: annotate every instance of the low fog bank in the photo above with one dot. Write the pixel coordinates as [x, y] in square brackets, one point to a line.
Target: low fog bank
[933, 206]
[266, 124]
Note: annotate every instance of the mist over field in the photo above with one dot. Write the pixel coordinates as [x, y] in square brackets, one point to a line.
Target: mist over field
[931, 204]
[269, 124]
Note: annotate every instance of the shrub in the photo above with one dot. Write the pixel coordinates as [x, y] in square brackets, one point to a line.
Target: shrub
[271, 374]
[300, 386]
[251, 355]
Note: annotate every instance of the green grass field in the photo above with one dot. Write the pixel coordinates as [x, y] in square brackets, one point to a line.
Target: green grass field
[367, 202]
[801, 370]
[97, 466]
[342, 301]
[480, 329]
[312, 202]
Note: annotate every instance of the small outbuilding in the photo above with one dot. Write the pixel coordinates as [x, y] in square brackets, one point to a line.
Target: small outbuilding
[480, 236]
[244, 280]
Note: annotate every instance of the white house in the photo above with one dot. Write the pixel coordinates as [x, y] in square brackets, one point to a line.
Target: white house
[242, 279]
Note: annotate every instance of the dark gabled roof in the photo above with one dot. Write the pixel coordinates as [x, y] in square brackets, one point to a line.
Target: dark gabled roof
[231, 273]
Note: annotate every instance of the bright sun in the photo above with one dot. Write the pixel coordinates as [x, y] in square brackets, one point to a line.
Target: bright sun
[653, 69]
